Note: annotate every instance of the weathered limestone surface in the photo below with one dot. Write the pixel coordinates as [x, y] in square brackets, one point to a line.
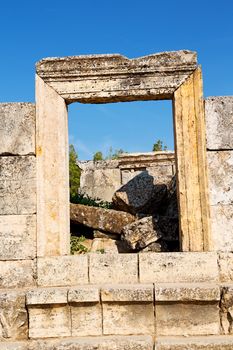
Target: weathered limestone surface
[17, 128]
[219, 121]
[225, 263]
[118, 268]
[120, 76]
[100, 183]
[98, 218]
[187, 292]
[46, 296]
[17, 274]
[173, 267]
[13, 316]
[221, 227]
[127, 293]
[87, 294]
[126, 318]
[195, 343]
[48, 321]
[141, 233]
[86, 319]
[187, 319]
[17, 185]
[220, 166]
[62, 271]
[17, 237]
[226, 308]
[140, 195]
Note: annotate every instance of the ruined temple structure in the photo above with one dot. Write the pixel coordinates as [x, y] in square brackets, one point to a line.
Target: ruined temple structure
[51, 300]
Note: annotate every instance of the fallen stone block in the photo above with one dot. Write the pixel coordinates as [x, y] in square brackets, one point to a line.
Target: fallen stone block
[140, 195]
[101, 219]
[141, 233]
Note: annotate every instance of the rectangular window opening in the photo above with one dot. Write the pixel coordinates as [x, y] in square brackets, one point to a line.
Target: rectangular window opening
[123, 178]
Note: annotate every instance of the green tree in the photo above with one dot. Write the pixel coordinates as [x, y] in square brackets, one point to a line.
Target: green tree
[74, 172]
[158, 146]
[98, 156]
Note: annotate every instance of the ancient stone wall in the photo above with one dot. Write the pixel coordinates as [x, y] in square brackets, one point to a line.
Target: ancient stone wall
[100, 179]
[146, 301]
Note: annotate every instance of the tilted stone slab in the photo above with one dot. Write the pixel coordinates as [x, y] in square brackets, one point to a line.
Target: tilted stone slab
[13, 316]
[109, 268]
[195, 343]
[127, 293]
[17, 185]
[17, 128]
[187, 292]
[62, 271]
[220, 165]
[44, 296]
[17, 274]
[17, 237]
[151, 77]
[101, 219]
[221, 227]
[185, 319]
[175, 267]
[219, 122]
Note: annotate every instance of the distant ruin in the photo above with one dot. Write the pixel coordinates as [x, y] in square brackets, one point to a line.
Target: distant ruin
[51, 299]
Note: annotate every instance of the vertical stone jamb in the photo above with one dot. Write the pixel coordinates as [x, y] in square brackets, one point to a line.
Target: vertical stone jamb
[189, 123]
[52, 172]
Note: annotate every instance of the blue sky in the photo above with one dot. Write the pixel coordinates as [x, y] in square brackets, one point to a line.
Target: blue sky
[31, 30]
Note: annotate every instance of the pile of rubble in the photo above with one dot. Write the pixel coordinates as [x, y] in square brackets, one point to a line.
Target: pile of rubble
[144, 218]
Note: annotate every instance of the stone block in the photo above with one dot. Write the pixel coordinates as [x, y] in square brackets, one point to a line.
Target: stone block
[17, 185]
[17, 128]
[225, 262]
[62, 271]
[220, 166]
[17, 274]
[174, 319]
[17, 237]
[15, 346]
[13, 316]
[86, 319]
[84, 294]
[222, 227]
[108, 220]
[219, 122]
[47, 296]
[125, 319]
[127, 293]
[187, 292]
[186, 267]
[49, 321]
[104, 343]
[111, 268]
[195, 343]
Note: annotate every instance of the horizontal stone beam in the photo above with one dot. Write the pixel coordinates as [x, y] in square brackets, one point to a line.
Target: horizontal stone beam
[109, 78]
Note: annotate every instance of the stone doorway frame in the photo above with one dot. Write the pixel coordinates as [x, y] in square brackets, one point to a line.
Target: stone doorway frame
[115, 78]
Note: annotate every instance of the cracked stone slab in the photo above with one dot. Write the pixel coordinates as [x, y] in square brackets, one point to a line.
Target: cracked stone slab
[17, 237]
[219, 122]
[17, 185]
[17, 128]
